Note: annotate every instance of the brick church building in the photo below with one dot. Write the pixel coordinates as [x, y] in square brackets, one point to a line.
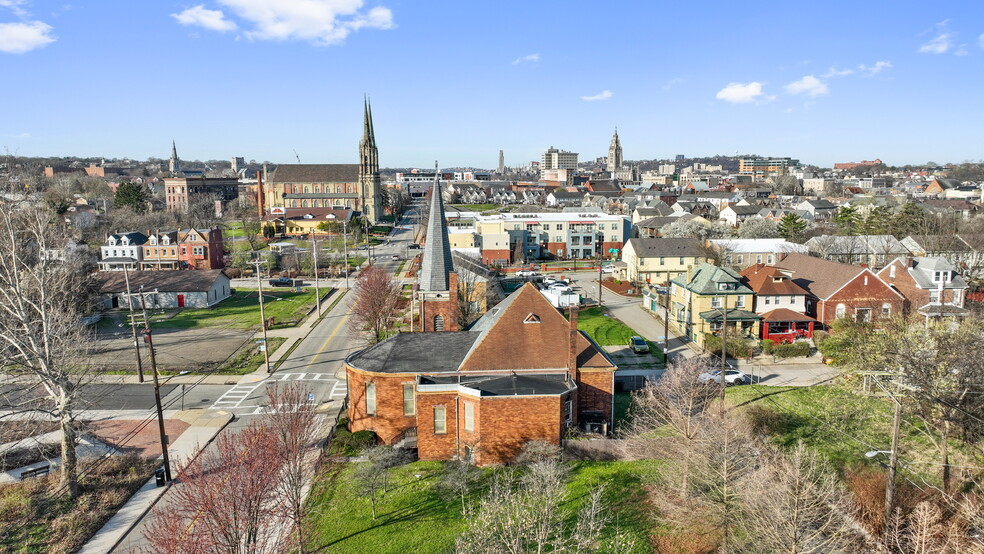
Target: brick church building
[521, 372]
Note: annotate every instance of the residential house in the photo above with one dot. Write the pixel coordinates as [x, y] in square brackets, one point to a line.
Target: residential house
[305, 221]
[842, 290]
[931, 285]
[938, 187]
[775, 214]
[563, 197]
[708, 298]
[782, 303]
[737, 214]
[522, 372]
[122, 250]
[657, 209]
[200, 249]
[873, 250]
[821, 209]
[160, 252]
[657, 260]
[163, 289]
[742, 253]
[650, 227]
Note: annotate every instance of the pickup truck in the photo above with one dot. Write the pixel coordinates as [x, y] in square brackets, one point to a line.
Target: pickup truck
[282, 282]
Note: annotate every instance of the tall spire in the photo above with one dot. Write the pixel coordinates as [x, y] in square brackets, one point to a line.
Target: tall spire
[437, 263]
[368, 133]
[174, 164]
[614, 154]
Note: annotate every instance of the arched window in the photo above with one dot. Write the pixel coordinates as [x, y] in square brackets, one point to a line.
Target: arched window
[841, 310]
[438, 323]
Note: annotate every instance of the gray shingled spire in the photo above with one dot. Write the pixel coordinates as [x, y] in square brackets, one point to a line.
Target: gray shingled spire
[437, 264]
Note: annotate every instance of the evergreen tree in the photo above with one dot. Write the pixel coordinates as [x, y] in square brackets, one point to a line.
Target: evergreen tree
[132, 195]
[846, 220]
[791, 227]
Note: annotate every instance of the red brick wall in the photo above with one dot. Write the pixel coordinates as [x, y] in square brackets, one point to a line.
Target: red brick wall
[448, 309]
[554, 247]
[595, 391]
[429, 445]
[492, 256]
[858, 295]
[389, 420]
[509, 422]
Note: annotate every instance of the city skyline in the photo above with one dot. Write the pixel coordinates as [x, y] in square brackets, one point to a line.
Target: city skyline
[262, 79]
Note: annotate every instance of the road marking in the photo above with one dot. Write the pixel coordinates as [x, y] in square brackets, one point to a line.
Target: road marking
[338, 389]
[331, 336]
[235, 396]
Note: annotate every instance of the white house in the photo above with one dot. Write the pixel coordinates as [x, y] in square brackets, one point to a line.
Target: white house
[122, 250]
[164, 289]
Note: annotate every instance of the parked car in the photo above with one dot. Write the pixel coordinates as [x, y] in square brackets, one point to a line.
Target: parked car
[607, 269]
[414, 246]
[639, 345]
[282, 282]
[731, 377]
[525, 273]
[394, 257]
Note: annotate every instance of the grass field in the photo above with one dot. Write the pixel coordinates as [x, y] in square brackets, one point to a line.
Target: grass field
[249, 358]
[412, 517]
[606, 331]
[476, 207]
[242, 311]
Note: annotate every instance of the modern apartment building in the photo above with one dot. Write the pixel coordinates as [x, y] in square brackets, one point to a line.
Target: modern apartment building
[558, 159]
[760, 166]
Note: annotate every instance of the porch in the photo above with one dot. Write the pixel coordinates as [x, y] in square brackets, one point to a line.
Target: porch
[786, 326]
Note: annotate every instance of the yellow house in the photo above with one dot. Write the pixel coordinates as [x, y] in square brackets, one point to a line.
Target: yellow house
[657, 260]
[708, 297]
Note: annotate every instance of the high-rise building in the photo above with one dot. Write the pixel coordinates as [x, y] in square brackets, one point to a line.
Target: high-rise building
[756, 166]
[614, 154]
[502, 163]
[558, 159]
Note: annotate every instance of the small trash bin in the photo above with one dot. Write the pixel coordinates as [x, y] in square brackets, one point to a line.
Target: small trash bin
[159, 476]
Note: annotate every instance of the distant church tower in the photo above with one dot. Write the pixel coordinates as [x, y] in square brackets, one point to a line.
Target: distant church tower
[370, 194]
[502, 163]
[614, 154]
[174, 164]
[438, 286]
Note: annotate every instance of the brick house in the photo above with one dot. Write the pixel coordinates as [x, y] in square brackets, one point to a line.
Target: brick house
[841, 290]
[782, 304]
[930, 285]
[160, 252]
[522, 372]
[200, 249]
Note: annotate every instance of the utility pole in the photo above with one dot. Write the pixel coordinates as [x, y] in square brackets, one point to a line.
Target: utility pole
[263, 323]
[724, 346]
[157, 386]
[317, 283]
[133, 325]
[893, 462]
[345, 249]
[599, 283]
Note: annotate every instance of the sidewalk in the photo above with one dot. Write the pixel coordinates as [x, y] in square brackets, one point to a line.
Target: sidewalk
[204, 427]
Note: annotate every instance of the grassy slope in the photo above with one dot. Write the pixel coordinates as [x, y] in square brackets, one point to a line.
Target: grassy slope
[606, 331]
[242, 311]
[413, 518]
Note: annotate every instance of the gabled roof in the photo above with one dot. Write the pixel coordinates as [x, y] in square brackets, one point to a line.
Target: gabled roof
[821, 277]
[165, 281]
[136, 239]
[658, 222]
[750, 210]
[316, 173]
[505, 342]
[705, 279]
[768, 280]
[669, 247]
[785, 314]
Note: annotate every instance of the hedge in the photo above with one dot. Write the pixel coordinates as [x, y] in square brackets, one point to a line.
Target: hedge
[737, 348]
[794, 350]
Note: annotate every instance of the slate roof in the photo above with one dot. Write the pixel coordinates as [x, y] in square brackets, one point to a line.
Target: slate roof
[659, 222]
[316, 173]
[436, 263]
[135, 238]
[507, 385]
[705, 278]
[114, 282]
[436, 352]
[669, 247]
[734, 314]
[749, 210]
[922, 271]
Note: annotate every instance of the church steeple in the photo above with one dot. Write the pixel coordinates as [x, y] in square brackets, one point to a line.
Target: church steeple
[371, 194]
[174, 164]
[437, 264]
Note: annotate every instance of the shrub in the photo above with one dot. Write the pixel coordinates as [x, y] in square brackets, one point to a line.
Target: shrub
[794, 350]
[767, 345]
[347, 443]
[737, 348]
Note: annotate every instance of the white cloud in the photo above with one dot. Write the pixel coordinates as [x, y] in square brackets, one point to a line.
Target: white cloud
[18, 38]
[199, 16]
[322, 22]
[834, 72]
[603, 95]
[740, 93]
[941, 42]
[673, 82]
[808, 85]
[533, 58]
[875, 69]
[15, 6]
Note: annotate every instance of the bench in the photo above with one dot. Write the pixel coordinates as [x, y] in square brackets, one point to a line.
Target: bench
[35, 472]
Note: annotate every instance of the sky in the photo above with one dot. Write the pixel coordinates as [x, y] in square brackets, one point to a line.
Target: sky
[456, 81]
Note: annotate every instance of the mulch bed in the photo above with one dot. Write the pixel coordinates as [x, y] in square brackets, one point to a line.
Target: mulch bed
[144, 441]
[621, 287]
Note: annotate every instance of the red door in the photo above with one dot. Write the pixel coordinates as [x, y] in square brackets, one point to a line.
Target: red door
[181, 301]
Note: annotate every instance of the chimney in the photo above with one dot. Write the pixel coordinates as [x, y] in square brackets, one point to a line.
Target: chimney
[572, 336]
[690, 273]
[864, 265]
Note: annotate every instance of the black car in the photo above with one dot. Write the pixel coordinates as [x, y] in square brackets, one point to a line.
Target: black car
[414, 246]
[282, 282]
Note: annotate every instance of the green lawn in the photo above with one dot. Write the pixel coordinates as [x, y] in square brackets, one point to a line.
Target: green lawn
[476, 207]
[249, 358]
[412, 517]
[606, 331]
[242, 311]
[829, 419]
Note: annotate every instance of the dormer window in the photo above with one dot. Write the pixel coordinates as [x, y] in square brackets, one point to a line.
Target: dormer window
[726, 286]
[941, 276]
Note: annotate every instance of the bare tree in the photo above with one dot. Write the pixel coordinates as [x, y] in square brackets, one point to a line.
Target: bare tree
[376, 296]
[225, 501]
[43, 344]
[797, 505]
[458, 480]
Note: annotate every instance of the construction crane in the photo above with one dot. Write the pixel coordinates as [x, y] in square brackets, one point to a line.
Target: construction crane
[296, 156]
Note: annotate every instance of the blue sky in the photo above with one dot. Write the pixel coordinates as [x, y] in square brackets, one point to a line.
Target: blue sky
[457, 81]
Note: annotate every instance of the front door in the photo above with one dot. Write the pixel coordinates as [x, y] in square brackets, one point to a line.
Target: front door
[181, 301]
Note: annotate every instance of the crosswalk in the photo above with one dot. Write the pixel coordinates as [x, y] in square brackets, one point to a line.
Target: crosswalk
[303, 377]
[234, 398]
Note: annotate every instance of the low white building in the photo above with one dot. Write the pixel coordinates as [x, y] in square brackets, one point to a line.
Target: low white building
[742, 253]
[163, 289]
